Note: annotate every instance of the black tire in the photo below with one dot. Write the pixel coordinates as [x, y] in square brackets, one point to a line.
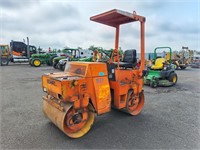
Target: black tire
[50, 62]
[182, 67]
[153, 84]
[62, 67]
[55, 65]
[4, 62]
[30, 62]
[36, 62]
[58, 66]
[173, 77]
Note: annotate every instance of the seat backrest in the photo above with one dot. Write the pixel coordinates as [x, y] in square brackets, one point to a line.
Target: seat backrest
[130, 56]
[159, 63]
[167, 56]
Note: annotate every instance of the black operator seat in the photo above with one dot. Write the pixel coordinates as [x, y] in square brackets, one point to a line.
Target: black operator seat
[130, 59]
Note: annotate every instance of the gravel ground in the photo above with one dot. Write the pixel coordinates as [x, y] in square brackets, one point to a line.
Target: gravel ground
[169, 120]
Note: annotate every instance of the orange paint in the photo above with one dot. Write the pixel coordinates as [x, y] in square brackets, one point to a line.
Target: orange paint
[16, 53]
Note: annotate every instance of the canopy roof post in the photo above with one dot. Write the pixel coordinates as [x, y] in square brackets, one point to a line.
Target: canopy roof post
[115, 18]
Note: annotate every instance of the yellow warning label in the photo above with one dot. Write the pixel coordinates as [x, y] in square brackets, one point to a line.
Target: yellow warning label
[104, 91]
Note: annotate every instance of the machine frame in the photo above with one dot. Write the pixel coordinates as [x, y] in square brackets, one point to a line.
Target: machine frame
[88, 88]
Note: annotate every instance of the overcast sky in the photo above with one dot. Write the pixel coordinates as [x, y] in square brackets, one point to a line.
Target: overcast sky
[60, 23]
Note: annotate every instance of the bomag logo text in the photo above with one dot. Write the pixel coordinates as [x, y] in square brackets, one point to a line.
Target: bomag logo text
[51, 82]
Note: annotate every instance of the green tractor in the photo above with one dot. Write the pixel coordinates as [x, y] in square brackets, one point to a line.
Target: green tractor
[57, 59]
[61, 64]
[37, 59]
[71, 54]
[68, 52]
[4, 55]
[162, 73]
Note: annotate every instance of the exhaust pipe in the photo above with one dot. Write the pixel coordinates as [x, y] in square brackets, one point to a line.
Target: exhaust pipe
[28, 50]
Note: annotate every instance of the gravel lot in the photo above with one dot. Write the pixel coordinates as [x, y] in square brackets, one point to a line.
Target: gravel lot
[169, 120]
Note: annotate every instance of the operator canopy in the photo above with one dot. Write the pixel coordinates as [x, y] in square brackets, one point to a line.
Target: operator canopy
[116, 17]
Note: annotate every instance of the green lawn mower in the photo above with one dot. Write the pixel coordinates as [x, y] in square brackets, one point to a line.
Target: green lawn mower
[162, 73]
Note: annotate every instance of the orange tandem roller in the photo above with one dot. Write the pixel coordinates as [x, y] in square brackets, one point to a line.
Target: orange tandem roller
[88, 88]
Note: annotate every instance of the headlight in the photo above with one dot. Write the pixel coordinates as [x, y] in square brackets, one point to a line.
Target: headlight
[44, 89]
